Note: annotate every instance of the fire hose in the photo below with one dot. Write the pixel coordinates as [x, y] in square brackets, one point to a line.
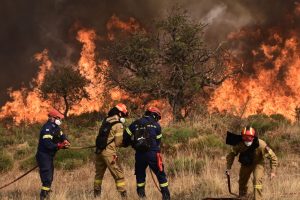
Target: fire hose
[36, 166]
[72, 148]
[26, 173]
[153, 179]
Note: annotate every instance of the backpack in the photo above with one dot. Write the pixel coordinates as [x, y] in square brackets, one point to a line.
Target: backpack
[141, 137]
[101, 140]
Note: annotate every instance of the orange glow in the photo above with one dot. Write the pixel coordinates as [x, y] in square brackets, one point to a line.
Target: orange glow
[115, 23]
[26, 105]
[267, 90]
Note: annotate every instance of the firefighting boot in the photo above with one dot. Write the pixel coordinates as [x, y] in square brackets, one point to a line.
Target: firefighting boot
[141, 192]
[44, 195]
[165, 193]
[97, 193]
[123, 195]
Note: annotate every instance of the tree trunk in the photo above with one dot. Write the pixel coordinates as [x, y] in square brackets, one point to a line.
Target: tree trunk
[177, 106]
[67, 106]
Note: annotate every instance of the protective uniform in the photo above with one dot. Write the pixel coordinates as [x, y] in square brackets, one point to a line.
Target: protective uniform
[256, 166]
[50, 138]
[108, 159]
[150, 158]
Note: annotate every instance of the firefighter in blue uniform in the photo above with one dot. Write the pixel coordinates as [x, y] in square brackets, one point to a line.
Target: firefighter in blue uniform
[51, 139]
[152, 157]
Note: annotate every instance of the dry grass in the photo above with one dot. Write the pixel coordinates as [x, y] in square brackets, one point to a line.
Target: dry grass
[186, 184]
[194, 160]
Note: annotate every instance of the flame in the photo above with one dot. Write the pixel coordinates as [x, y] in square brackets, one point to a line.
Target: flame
[115, 23]
[26, 105]
[272, 87]
[88, 67]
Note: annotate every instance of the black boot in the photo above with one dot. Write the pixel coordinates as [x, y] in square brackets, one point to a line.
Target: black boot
[165, 193]
[141, 192]
[44, 195]
[97, 193]
[123, 195]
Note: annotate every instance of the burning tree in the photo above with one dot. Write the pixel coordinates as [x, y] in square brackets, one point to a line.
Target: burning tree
[66, 83]
[171, 63]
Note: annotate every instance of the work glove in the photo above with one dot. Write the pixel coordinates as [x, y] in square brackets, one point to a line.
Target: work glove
[67, 144]
[61, 145]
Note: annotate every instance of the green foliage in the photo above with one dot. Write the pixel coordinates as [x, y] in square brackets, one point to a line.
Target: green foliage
[184, 164]
[210, 145]
[178, 135]
[66, 83]
[126, 156]
[28, 163]
[171, 62]
[262, 123]
[86, 119]
[280, 118]
[22, 153]
[72, 159]
[6, 162]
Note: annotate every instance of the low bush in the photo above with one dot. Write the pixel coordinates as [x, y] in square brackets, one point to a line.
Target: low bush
[184, 164]
[72, 159]
[263, 123]
[174, 135]
[28, 163]
[6, 162]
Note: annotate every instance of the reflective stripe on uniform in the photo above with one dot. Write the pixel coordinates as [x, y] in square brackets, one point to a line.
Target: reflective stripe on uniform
[141, 184]
[45, 188]
[159, 136]
[120, 183]
[47, 136]
[128, 131]
[164, 184]
[259, 187]
[98, 181]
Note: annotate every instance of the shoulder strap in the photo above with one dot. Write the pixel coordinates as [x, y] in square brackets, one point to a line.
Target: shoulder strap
[112, 123]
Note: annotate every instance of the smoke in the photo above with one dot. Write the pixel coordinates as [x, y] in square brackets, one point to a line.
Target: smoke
[28, 27]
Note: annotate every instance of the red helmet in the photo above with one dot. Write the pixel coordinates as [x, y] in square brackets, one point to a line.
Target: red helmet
[122, 108]
[55, 113]
[155, 110]
[248, 134]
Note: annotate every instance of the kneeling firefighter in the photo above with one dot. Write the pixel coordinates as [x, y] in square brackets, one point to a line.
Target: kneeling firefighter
[144, 135]
[252, 152]
[110, 137]
[51, 139]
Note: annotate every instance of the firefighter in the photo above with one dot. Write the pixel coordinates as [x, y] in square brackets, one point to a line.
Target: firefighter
[110, 137]
[252, 152]
[51, 139]
[147, 150]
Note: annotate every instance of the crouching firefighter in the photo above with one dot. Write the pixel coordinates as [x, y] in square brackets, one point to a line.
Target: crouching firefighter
[144, 135]
[110, 137]
[51, 139]
[252, 152]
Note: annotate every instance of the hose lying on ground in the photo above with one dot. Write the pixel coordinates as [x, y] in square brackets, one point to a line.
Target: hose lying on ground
[26, 173]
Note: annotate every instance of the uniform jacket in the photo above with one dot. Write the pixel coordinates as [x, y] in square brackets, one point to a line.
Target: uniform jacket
[115, 135]
[50, 135]
[260, 153]
[154, 131]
